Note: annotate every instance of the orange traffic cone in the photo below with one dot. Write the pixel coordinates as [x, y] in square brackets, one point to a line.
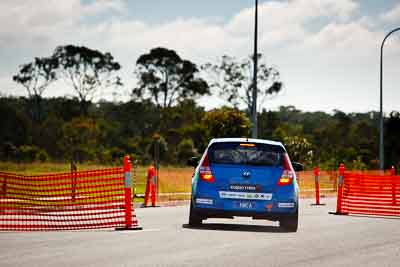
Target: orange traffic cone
[131, 222]
[151, 186]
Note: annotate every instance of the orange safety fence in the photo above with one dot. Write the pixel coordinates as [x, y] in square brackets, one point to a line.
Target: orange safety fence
[65, 201]
[327, 182]
[370, 194]
[175, 183]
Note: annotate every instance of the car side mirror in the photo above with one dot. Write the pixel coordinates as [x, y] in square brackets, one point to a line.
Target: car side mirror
[298, 167]
[193, 161]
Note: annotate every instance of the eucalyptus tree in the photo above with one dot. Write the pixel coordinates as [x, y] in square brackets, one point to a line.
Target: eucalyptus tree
[166, 78]
[86, 70]
[233, 80]
[35, 77]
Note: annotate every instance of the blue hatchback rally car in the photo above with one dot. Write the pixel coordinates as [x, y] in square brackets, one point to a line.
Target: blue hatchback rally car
[245, 177]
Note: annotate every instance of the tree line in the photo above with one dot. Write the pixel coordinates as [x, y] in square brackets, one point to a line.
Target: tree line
[162, 111]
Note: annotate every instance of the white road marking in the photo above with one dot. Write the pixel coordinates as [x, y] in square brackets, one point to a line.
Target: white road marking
[138, 231]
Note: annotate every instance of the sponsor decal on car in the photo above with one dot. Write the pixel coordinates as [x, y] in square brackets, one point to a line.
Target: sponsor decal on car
[245, 195]
[285, 205]
[207, 201]
[244, 187]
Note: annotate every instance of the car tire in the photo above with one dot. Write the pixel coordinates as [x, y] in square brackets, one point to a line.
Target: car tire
[290, 223]
[194, 219]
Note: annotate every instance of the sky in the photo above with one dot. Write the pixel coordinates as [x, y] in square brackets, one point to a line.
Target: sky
[327, 51]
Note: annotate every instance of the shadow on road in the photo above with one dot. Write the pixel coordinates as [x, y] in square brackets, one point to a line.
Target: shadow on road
[237, 227]
[374, 216]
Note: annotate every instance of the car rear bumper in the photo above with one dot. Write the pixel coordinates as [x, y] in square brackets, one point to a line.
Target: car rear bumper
[219, 213]
[277, 205]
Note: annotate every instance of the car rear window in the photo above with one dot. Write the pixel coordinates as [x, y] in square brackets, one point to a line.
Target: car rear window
[255, 154]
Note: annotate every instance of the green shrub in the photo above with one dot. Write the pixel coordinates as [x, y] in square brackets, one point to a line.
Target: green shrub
[185, 150]
[8, 151]
[225, 122]
[27, 153]
[42, 156]
[164, 154]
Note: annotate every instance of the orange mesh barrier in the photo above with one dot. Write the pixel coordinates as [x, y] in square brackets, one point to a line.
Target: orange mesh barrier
[370, 194]
[66, 201]
[327, 182]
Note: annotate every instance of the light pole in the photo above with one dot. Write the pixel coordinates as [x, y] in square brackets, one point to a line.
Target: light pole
[255, 58]
[381, 144]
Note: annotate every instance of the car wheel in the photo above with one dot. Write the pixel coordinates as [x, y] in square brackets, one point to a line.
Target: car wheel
[290, 223]
[194, 219]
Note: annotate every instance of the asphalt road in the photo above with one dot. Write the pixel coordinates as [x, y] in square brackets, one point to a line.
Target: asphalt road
[322, 240]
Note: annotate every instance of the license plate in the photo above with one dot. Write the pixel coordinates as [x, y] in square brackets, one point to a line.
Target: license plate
[246, 205]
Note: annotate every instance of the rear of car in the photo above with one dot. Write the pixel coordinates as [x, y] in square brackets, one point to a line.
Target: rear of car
[245, 177]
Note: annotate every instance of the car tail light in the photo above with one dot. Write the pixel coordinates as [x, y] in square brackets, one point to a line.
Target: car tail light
[287, 174]
[205, 171]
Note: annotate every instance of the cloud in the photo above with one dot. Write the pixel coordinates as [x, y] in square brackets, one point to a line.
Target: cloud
[392, 16]
[281, 23]
[57, 22]
[293, 24]
[194, 38]
[35, 28]
[30, 15]
[105, 6]
[351, 38]
[281, 14]
[41, 21]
